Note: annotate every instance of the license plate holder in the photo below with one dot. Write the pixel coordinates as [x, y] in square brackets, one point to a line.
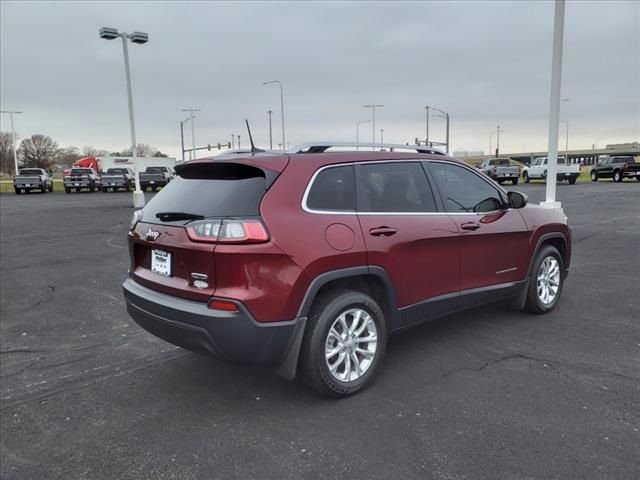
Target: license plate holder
[161, 262]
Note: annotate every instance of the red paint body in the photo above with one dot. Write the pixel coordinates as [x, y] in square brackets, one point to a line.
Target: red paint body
[429, 255]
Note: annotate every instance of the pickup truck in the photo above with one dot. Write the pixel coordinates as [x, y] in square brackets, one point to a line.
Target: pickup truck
[538, 170]
[500, 169]
[32, 179]
[154, 177]
[81, 178]
[116, 178]
[617, 167]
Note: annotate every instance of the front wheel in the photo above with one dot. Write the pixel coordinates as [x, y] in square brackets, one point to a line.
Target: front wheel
[617, 176]
[545, 280]
[344, 343]
[594, 176]
[525, 177]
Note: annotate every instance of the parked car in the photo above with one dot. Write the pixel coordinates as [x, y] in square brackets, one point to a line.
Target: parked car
[154, 177]
[116, 178]
[81, 178]
[617, 167]
[308, 261]
[500, 169]
[29, 179]
[538, 170]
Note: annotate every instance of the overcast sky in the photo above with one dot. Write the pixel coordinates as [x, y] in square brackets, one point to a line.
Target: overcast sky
[486, 63]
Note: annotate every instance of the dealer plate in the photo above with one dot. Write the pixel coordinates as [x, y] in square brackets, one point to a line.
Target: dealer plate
[161, 262]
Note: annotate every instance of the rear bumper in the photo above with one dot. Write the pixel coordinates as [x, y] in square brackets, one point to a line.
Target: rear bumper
[29, 185]
[230, 336]
[116, 182]
[566, 176]
[631, 174]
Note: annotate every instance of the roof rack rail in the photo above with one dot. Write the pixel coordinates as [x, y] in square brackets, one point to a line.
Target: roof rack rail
[320, 147]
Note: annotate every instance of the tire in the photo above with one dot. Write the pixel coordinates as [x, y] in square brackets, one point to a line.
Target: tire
[535, 300]
[638, 178]
[572, 180]
[92, 188]
[128, 188]
[78, 189]
[499, 181]
[525, 177]
[103, 189]
[44, 190]
[67, 190]
[514, 181]
[18, 191]
[617, 176]
[594, 176]
[544, 176]
[154, 188]
[324, 317]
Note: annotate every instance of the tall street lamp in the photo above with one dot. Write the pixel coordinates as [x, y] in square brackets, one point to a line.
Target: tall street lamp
[284, 143]
[358, 132]
[140, 38]
[381, 137]
[269, 112]
[192, 117]
[13, 137]
[373, 120]
[498, 142]
[426, 142]
[444, 115]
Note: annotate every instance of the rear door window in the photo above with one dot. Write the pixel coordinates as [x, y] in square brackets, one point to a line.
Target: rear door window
[333, 189]
[463, 190]
[399, 187]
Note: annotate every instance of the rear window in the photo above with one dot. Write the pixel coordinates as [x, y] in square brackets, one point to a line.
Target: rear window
[81, 171]
[117, 171]
[504, 163]
[623, 160]
[210, 190]
[30, 171]
[156, 170]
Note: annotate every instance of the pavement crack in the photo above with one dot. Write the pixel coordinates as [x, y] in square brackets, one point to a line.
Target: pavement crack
[21, 350]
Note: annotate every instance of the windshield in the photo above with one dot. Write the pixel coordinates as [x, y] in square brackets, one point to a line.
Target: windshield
[31, 171]
[117, 171]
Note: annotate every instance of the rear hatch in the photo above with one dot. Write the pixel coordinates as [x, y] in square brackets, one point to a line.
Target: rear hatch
[168, 258]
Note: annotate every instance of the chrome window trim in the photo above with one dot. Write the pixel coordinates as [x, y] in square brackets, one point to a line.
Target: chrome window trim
[400, 160]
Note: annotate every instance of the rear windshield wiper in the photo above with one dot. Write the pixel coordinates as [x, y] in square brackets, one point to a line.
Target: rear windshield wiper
[171, 216]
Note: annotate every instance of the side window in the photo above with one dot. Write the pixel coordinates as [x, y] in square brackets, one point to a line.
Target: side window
[333, 189]
[395, 187]
[464, 191]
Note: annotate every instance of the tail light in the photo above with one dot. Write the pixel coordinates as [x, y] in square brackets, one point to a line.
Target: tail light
[216, 304]
[228, 231]
[626, 166]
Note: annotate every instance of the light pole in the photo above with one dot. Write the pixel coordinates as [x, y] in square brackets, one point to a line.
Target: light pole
[491, 142]
[426, 142]
[358, 132]
[238, 141]
[554, 108]
[284, 143]
[233, 141]
[269, 112]
[381, 137]
[373, 120]
[444, 115]
[498, 142]
[140, 38]
[192, 117]
[13, 137]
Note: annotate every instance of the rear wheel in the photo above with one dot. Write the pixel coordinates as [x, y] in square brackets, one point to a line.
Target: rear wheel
[67, 190]
[572, 180]
[594, 176]
[78, 189]
[545, 280]
[525, 177]
[344, 343]
[514, 181]
[617, 176]
[44, 189]
[18, 191]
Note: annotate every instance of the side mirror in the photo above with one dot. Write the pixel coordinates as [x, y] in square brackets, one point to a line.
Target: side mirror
[517, 199]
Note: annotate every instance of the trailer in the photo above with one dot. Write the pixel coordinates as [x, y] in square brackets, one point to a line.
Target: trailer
[102, 164]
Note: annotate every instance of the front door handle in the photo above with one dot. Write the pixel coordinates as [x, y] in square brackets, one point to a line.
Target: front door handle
[470, 226]
[383, 231]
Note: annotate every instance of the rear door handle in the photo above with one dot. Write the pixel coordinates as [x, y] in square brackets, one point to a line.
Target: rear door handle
[383, 231]
[470, 226]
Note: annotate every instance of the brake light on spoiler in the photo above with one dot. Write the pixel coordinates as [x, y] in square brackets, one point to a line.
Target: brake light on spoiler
[227, 231]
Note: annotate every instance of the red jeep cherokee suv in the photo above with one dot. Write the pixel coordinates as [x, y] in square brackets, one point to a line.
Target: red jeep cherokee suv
[308, 261]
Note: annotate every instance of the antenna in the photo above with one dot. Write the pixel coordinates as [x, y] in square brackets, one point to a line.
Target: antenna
[254, 150]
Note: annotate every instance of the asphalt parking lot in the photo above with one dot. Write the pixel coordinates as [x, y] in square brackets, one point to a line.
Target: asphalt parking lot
[489, 394]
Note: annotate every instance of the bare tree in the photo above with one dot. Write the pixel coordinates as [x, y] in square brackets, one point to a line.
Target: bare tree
[144, 150]
[37, 151]
[6, 153]
[89, 151]
[67, 155]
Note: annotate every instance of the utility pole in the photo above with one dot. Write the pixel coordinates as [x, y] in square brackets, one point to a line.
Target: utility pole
[182, 138]
[13, 137]
[498, 142]
[373, 120]
[381, 137]
[269, 112]
[193, 134]
[358, 132]
[284, 143]
[238, 142]
[233, 141]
